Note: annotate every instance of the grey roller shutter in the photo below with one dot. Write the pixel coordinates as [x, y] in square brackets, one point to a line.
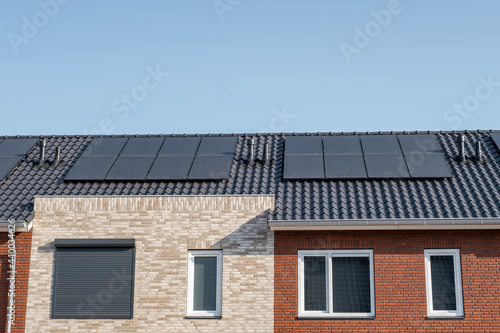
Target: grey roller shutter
[443, 283]
[93, 282]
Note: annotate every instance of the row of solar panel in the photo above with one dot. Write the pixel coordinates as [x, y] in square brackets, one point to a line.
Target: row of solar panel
[364, 156]
[12, 151]
[172, 158]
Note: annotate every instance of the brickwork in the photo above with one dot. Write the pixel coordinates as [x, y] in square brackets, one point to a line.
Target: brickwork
[400, 294]
[23, 252]
[164, 228]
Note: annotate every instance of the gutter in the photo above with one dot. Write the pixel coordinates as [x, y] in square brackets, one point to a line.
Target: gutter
[21, 226]
[387, 224]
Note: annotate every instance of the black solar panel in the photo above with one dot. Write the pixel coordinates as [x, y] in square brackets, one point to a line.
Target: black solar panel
[90, 168]
[6, 166]
[342, 145]
[386, 166]
[104, 147]
[427, 166]
[304, 167]
[16, 147]
[380, 144]
[130, 168]
[137, 147]
[419, 144]
[170, 168]
[303, 145]
[496, 139]
[345, 166]
[214, 146]
[210, 167]
[180, 146]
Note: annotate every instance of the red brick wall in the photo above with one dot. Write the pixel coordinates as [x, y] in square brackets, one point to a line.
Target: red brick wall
[23, 250]
[400, 295]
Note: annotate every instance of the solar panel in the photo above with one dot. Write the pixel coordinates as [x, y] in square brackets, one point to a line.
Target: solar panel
[496, 139]
[304, 167]
[428, 166]
[130, 168]
[170, 168]
[380, 144]
[214, 146]
[104, 147]
[210, 167]
[90, 168]
[342, 145]
[141, 147]
[16, 147]
[6, 166]
[180, 146]
[386, 166]
[419, 144]
[303, 145]
[345, 166]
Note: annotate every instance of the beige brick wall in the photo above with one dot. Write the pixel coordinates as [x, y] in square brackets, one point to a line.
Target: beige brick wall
[164, 228]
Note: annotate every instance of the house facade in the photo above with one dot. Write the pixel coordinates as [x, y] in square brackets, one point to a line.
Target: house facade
[253, 233]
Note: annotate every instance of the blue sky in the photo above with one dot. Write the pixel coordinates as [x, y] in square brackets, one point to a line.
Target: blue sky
[233, 66]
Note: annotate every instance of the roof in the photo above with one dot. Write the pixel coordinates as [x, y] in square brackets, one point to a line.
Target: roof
[472, 192]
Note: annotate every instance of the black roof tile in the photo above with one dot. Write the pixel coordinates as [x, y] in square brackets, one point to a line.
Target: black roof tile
[474, 190]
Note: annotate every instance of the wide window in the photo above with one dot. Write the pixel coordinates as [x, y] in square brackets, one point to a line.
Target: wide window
[204, 284]
[93, 279]
[336, 283]
[444, 283]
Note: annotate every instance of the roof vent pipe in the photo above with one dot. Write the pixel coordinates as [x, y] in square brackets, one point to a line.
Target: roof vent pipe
[461, 148]
[251, 151]
[57, 157]
[267, 160]
[42, 152]
[479, 152]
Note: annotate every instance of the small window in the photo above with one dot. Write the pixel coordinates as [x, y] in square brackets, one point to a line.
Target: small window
[93, 279]
[444, 283]
[336, 283]
[204, 284]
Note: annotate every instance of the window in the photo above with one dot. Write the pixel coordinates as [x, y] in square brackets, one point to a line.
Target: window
[336, 283]
[93, 279]
[204, 284]
[444, 283]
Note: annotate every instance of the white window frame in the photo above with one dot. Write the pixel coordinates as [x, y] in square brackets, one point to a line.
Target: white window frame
[431, 313]
[190, 295]
[329, 300]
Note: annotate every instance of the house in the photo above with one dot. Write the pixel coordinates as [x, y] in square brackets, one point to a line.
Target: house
[253, 232]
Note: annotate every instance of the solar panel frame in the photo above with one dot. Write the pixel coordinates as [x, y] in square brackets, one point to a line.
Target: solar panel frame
[16, 147]
[303, 145]
[142, 147]
[419, 144]
[90, 168]
[345, 167]
[427, 166]
[170, 168]
[380, 144]
[386, 166]
[217, 145]
[211, 168]
[180, 146]
[495, 136]
[105, 147]
[130, 168]
[303, 167]
[342, 145]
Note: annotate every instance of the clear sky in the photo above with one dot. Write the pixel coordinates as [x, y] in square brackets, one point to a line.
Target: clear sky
[234, 66]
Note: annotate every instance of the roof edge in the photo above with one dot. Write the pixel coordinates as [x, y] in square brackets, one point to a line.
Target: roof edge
[387, 224]
[21, 226]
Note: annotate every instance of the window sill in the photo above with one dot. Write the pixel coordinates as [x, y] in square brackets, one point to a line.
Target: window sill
[445, 317]
[203, 317]
[335, 317]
